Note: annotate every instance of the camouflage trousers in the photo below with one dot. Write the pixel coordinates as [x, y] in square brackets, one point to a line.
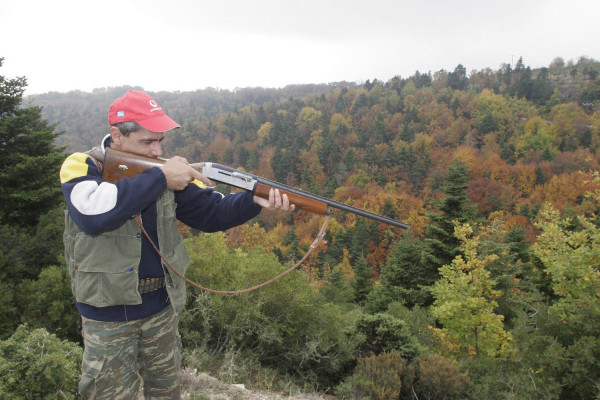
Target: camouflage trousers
[119, 358]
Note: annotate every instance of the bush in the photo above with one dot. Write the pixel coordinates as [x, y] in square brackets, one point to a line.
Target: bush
[35, 364]
[48, 303]
[287, 325]
[438, 378]
[377, 377]
[389, 376]
[384, 333]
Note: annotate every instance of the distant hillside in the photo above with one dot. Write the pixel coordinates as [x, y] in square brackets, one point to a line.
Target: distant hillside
[83, 116]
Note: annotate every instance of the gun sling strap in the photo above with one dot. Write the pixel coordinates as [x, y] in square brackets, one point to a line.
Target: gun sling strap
[98, 156]
[314, 244]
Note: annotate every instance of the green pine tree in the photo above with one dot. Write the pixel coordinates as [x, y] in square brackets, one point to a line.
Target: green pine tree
[363, 280]
[440, 244]
[401, 278]
[29, 160]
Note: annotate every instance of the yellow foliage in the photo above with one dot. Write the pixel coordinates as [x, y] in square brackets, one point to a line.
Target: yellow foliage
[422, 144]
[339, 123]
[570, 258]
[265, 130]
[465, 303]
[346, 267]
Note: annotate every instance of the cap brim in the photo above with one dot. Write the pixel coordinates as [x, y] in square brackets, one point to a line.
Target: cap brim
[160, 123]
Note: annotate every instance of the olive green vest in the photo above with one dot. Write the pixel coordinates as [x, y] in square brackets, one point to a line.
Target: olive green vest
[104, 267]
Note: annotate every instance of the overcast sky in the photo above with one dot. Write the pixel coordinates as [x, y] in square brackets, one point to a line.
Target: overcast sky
[63, 45]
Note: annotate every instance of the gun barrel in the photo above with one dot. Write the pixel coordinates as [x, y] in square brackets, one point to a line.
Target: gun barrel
[225, 174]
[335, 204]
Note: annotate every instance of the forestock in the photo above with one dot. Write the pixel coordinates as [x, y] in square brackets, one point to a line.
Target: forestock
[300, 202]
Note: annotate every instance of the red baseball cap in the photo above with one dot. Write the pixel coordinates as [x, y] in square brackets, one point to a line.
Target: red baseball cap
[141, 108]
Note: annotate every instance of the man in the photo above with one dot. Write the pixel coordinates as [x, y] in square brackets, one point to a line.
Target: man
[128, 299]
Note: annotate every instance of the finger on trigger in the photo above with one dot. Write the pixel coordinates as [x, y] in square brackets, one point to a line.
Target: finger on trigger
[202, 178]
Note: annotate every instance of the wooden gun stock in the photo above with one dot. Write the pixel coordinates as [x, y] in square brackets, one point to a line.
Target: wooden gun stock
[118, 165]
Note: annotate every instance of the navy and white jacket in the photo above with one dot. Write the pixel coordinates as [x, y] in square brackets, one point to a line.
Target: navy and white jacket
[97, 206]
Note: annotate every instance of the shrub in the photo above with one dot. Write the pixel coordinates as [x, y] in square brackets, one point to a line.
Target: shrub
[287, 325]
[48, 303]
[385, 333]
[377, 377]
[438, 378]
[35, 364]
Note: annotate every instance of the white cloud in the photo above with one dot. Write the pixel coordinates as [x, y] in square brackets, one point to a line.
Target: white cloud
[192, 44]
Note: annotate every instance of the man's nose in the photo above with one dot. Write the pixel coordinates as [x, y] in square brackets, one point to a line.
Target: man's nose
[156, 149]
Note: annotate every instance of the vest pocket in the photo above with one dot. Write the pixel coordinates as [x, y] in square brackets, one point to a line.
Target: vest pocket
[105, 267]
[110, 252]
[101, 289]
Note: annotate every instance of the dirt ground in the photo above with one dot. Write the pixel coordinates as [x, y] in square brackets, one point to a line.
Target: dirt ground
[200, 386]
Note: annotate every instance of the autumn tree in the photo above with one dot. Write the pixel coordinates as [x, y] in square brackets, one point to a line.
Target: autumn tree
[570, 259]
[465, 303]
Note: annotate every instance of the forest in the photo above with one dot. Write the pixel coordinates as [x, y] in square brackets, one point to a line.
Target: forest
[492, 293]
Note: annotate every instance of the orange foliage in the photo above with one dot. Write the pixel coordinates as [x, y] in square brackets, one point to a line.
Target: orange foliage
[467, 155]
[526, 178]
[569, 161]
[486, 194]
[248, 236]
[394, 124]
[312, 166]
[218, 146]
[498, 169]
[512, 220]
[376, 257]
[563, 190]
[264, 164]
[307, 231]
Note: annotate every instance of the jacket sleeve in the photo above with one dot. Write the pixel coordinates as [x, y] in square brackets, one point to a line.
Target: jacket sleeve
[96, 205]
[210, 211]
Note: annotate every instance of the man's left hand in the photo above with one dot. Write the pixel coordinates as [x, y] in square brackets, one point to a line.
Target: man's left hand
[276, 201]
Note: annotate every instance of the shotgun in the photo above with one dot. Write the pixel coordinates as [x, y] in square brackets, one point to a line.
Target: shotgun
[118, 165]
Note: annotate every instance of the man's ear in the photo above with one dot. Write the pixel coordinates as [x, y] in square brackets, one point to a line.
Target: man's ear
[115, 137]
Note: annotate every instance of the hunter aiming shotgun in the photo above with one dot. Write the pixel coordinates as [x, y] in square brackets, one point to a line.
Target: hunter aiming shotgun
[118, 165]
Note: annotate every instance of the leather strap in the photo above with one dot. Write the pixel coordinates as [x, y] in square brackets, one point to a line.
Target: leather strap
[314, 244]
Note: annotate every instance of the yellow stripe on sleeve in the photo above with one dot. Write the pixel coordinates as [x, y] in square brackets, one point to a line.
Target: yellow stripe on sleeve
[198, 183]
[74, 167]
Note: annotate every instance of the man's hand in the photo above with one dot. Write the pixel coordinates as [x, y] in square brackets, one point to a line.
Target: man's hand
[276, 201]
[179, 174]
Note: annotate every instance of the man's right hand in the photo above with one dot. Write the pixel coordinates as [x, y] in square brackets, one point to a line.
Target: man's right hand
[179, 174]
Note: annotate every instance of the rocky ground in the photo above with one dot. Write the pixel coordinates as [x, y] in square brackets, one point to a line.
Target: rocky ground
[200, 386]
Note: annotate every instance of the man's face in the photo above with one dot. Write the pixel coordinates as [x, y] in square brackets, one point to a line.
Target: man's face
[142, 142]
